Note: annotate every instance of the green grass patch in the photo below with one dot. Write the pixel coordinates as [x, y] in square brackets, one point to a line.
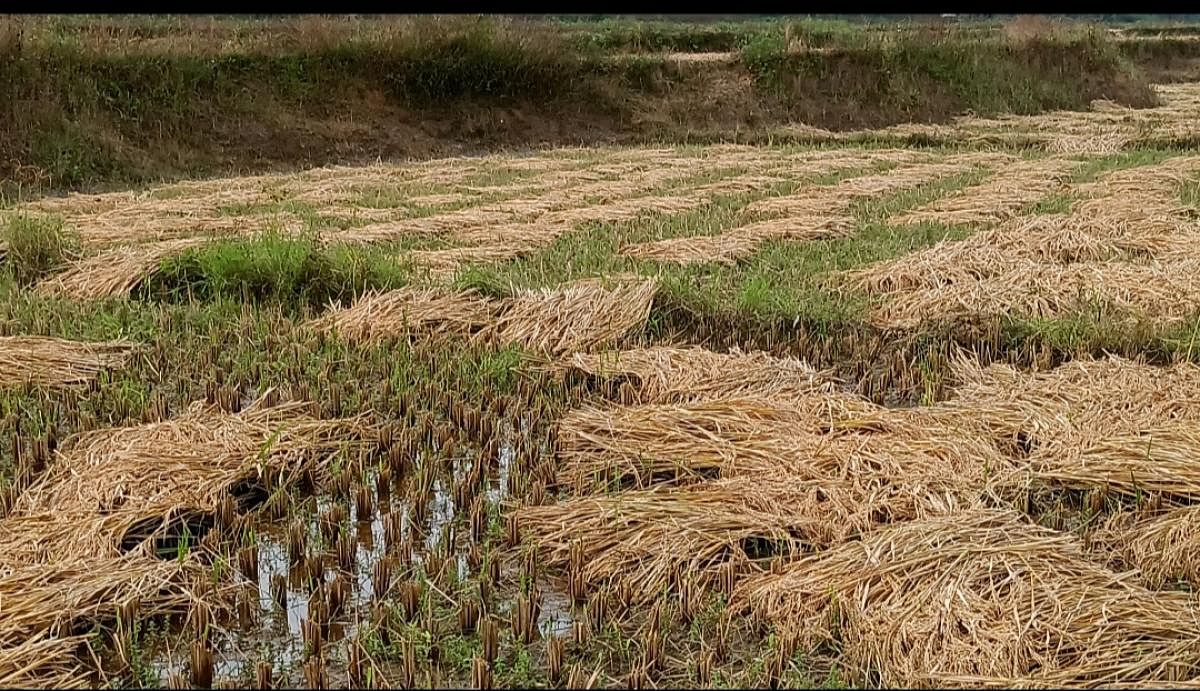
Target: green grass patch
[35, 246]
[1052, 204]
[287, 269]
[1189, 193]
[1094, 167]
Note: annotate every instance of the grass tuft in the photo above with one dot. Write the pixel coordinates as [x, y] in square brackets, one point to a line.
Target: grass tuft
[36, 246]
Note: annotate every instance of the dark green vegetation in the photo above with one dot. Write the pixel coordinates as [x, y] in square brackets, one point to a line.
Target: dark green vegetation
[88, 102]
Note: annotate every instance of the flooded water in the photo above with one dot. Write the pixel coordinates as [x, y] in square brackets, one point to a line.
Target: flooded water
[276, 635]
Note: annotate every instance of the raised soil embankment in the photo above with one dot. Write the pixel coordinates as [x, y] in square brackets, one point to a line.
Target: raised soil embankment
[79, 117]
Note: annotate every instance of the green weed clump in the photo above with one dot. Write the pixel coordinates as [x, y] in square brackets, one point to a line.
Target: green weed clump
[276, 268]
[36, 246]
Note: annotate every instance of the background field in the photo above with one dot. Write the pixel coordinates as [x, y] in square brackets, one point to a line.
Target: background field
[478, 351]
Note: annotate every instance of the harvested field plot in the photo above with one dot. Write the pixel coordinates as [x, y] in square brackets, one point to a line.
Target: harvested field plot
[909, 406]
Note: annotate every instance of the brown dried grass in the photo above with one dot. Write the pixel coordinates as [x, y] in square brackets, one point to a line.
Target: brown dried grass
[447, 262]
[836, 198]
[978, 598]
[192, 459]
[48, 608]
[582, 315]
[1158, 460]
[1074, 399]
[649, 539]
[58, 362]
[1049, 239]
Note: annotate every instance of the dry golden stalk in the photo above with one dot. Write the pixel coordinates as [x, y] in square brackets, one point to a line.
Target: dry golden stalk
[481, 673]
[202, 665]
[262, 675]
[247, 606]
[577, 316]
[381, 578]
[279, 591]
[468, 615]
[555, 651]
[523, 620]
[1158, 543]
[664, 374]
[410, 599]
[355, 675]
[248, 561]
[314, 673]
[577, 678]
[408, 664]
[489, 638]
[113, 273]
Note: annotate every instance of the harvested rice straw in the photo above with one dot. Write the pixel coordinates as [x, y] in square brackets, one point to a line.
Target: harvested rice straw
[147, 227]
[581, 315]
[43, 604]
[1161, 546]
[532, 235]
[739, 242]
[110, 494]
[438, 224]
[665, 374]
[396, 312]
[348, 213]
[1043, 239]
[1160, 460]
[1098, 143]
[44, 661]
[818, 436]
[1073, 398]
[979, 597]
[191, 460]
[741, 184]
[629, 209]
[837, 198]
[896, 180]
[56, 536]
[698, 439]
[1001, 196]
[113, 272]
[723, 247]
[1159, 293]
[58, 362]
[558, 209]
[651, 539]
[646, 537]
[1162, 177]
